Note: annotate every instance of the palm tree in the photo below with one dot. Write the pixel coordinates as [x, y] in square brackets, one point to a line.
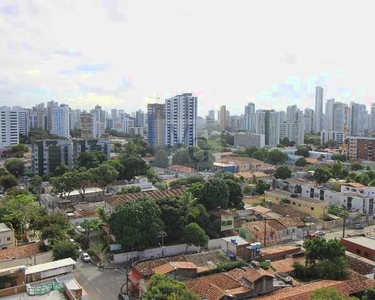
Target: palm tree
[89, 226]
[189, 206]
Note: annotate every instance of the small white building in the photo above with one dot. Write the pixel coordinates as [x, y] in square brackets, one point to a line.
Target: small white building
[6, 236]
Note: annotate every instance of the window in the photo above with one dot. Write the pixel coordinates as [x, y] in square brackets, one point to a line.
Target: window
[312, 208]
[366, 254]
[8, 239]
[358, 251]
[299, 204]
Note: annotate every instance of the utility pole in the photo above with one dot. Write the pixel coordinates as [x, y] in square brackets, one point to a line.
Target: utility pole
[343, 225]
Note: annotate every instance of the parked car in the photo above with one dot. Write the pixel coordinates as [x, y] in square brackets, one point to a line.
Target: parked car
[85, 257]
[320, 233]
[358, 226]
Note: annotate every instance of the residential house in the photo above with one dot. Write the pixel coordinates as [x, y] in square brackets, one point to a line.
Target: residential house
[235, 246]
[178, 270]
[279, 252]
[7, 239]
[314, 207]
[265, 232]
[360, 245]
[226, 218]
[245, 164]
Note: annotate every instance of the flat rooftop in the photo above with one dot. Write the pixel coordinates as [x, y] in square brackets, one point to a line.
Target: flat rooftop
[362, 241]
[281, 193]
[239, 240]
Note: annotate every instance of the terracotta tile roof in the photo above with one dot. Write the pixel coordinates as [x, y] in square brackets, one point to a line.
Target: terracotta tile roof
[258, 226]
[182, 169]
[250, 175]
[154, 195]
[359, 265]
[279, 249]
[285, 265]
[220, 212]
[20, 251]
[303, 292]
[358, 283]
[174, 265]
[208, 286]
[260, 209]
[286, 211]
[291, 222]
[236, 273]
[253, 275]
[147, 267]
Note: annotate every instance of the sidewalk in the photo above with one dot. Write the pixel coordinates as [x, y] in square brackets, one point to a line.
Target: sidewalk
[108, 265]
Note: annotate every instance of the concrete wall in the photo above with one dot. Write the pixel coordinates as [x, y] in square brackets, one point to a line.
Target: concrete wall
[12, 290]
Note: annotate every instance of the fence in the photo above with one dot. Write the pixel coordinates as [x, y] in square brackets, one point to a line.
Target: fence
[161, 251]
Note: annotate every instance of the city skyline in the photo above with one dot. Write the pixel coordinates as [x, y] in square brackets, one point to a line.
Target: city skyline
[107, 53]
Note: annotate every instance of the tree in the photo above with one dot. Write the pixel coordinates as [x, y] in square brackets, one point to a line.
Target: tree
[103, 175]
[355, 166]
[302, 151]
[15, 166]
[369, 294]
[330, 144]
[136, 222]
[194, 157]
[276, 157]
[161, 159]
[91, 159]
[53, 233]
[283, 172]
[60, 170]
[262, 186]
[188, 204]
[35, 185]
[363, 178]
[235, 193]
[65, 249]
[129, 190]
[90, 225]
[285, 142]
[8, 181]
[132, 166]
[20, 149]
[197, 190]
[340, 157]
[301, 162]
[246, 189]
[327, 293]
[336, 169]
[74, 180]
[21, 209]
[173, 216]
[195, 235]
[215, 193]
[163, 287]
[322, 174]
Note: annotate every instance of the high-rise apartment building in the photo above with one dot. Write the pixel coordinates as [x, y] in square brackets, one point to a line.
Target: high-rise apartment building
[268, 123]
[23, 120]
[51, 105]
[329, 120]
[47, 155]
[294, 131]
[249, 139]
[60, 120]
[211, 114]
[223, 118]
[9, 128]
[318, 116]
[361, 148]
[88, 145]
[139, 119]
[87, 126]
[293, 114]
[181, 118]
[114, 113]
[156, 124]
[308, 118]
[249, 115]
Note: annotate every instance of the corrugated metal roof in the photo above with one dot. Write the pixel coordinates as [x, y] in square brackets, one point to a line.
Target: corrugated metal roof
[50, 266]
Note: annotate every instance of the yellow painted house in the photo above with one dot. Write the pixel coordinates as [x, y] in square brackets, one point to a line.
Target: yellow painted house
[314, 207]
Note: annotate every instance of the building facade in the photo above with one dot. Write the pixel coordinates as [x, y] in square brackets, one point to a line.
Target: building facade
[249, 140]
[88, 145]
[361, 148]
[9, 127]
[60, 120]
[156, 124]
[47, 155]
[318, 120]
[181, 118]
[87, 126]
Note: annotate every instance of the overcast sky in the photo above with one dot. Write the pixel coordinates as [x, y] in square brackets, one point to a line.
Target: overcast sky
[122, 53]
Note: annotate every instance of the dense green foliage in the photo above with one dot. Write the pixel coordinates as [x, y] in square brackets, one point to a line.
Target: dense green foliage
[283, 172]
[322, 174]
[215, 194]
[129, 190]
[324, 260]
[65, 249]
[327, 294]
[302, 151]
[136, 223]
[15, 166]
[163, 288]
[8, 181]
[194, 157]
[91, 159]
[161, 159]
[195, 235]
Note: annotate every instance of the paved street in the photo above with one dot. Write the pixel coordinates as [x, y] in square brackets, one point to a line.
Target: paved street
[337, 232]
[98, 284]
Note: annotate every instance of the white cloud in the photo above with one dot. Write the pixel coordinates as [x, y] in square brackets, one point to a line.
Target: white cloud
[229, 52]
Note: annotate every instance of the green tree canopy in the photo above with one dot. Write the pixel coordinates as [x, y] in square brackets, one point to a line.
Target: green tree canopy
[215, 193]
[75, 180]
[20, 148]
[90, 225]
[235, 193]
[53, 233]
[65, 249]
[21, 209]
[15, 166]
[136, 222]
[302, 151]
[163, 288]
[91, 159]
[195, 235]
[194, 157]
[340, 157]
[103, 175]
[8, 181]
[285, 142]
[172, 215]
[132, 166]
[161, 159]
[369, 294]
[300, 162]
[262, 186]
[60, 170]
[283, 172]
[129, 190]
[276, 157]
[322, 174]
[356, 166]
